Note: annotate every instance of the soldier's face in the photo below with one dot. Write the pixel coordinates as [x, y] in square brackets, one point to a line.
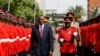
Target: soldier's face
[46, 20]
[67, 24]
[20, 22]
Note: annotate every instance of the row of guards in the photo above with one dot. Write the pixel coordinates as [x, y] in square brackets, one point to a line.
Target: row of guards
[15, 34]
[90, 36]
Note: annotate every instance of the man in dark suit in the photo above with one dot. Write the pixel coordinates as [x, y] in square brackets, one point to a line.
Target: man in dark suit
[42, 38]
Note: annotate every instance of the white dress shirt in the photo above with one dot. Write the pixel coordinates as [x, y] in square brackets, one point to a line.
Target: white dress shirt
[40, 27]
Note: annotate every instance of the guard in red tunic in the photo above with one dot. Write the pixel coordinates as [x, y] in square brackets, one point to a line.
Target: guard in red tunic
[67, 36]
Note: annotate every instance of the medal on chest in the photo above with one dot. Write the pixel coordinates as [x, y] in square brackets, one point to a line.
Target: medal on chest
[68, 33]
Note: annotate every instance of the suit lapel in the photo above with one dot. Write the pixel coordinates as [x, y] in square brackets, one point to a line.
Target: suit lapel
[37, 30]
[44, 30]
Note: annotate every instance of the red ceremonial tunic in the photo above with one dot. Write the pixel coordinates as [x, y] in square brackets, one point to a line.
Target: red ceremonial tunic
[97, 44]
[68, 45]
[27, 33]
[3, 45]
[19, 41]
[2, 51]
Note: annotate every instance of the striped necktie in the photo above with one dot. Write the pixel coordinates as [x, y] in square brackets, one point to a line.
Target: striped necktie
[41, 30]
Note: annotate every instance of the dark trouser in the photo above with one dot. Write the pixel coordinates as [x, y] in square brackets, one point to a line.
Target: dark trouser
[97, 54]
[67, 54]
[32, 54]
[80, 51]
[41, 55]
[13, 55]
[24, 53]
[88, 52]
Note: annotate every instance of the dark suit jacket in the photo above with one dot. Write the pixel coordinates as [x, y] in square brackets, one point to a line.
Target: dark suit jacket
[42, 45]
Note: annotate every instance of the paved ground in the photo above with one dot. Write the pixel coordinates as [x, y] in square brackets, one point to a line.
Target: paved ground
[56, 50]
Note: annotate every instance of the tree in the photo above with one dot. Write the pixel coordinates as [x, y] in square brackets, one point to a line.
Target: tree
[78, 11]
[22, 8]
[3, 3]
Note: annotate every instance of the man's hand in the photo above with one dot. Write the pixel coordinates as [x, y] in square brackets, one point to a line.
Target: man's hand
[50, 53]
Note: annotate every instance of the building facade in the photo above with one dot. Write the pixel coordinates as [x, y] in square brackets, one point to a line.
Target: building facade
[93, 8]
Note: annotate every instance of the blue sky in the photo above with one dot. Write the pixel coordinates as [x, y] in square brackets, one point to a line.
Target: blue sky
[62, 5]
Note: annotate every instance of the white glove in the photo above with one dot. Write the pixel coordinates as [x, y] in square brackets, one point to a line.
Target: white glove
[75, 33]
[61, 40]
[29, 35]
